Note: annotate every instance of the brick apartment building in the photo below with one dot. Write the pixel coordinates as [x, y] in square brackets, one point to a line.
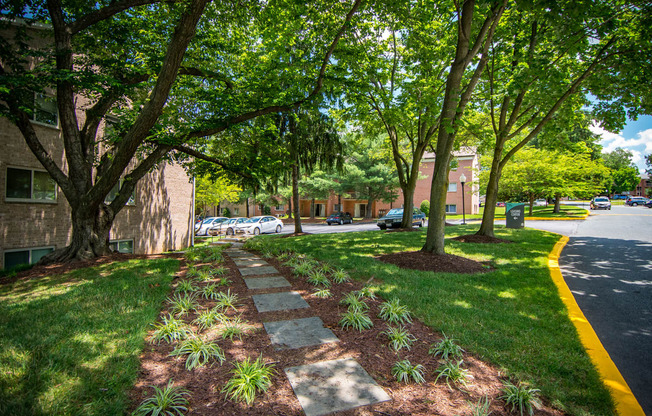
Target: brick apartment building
[467, 164]
[35, 216]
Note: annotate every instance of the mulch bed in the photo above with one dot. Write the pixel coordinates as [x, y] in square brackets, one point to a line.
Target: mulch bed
[440, 263]
[369, 348]
[482, 239]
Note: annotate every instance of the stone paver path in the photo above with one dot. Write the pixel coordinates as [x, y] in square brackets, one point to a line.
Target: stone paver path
[298, 333]
[330, 386]
[254, 283]
[323, 387]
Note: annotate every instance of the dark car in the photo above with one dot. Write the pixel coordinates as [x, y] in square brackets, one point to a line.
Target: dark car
[600, 202]
[636, 200]
[394, 217]
[649, 203]
[339, 218]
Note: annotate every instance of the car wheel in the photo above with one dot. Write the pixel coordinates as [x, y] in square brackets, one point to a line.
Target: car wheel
[422, 223]
[382, 227]
[278, 229]
[256, 231]
[634, 204]
[229, 231]
[328, 223]
[341, 222]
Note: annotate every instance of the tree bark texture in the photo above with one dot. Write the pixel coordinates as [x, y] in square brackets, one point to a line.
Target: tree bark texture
[295, 198]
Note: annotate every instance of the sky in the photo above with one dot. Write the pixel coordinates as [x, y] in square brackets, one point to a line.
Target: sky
[635, 137]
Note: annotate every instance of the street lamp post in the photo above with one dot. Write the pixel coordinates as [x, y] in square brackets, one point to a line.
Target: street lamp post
[463, 181]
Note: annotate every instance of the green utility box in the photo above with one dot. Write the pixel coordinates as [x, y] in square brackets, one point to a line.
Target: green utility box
[515, 215]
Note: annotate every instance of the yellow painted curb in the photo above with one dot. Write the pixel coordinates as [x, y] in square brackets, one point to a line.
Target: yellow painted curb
[626, 404]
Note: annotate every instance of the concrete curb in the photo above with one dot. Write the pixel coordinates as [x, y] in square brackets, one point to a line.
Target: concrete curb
[626, 403]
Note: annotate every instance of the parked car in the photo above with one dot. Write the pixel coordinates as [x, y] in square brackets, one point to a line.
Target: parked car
[339, 218]
[600, 202]
[394, 217]
[540, 203]
[500, 204]
[619, 197]
[259, 225]
[232, 226]
[649, 203]
[202, 227]
[633, 201]
[218, 226]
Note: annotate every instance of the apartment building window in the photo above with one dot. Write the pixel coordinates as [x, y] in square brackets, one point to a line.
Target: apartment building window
[122, 246]
[236, 211]
[114, 193]
[337, 208]
[452, 187]
[30, 185]
[15, 258]
[451, 209]
[45, 110]
[280, 207]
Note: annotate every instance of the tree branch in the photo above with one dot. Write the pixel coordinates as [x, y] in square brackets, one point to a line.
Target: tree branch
[194, 153]
[108, 11]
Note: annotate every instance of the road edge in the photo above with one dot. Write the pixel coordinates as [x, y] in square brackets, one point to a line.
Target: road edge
[626, 403]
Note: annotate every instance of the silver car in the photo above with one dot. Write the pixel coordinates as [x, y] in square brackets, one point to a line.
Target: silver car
[600, 202]
[260, 225]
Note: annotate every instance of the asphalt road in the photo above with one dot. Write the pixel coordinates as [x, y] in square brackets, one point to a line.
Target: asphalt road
[608, 266]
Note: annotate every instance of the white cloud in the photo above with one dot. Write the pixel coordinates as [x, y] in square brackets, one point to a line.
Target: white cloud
[639, 146]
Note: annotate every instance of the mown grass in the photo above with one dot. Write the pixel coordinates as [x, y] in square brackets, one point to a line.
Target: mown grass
[70, 344]
[511, 316]
[567, 211]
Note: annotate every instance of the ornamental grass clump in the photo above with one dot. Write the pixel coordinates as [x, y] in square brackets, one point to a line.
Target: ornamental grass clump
[283, 256]
[394, 313]
[304, 268]
[210, 291]
[248, 379]
[521, 397]
[340, 276]
[354, 302]
[318, 278]
[399, 338]
[207, 319]
[186, 286]
[366, 292]
[227, 300]
[356, 319]
[170, 330]
[446, 348]
[452, 371]
[218, 271]
[183, 304]
[322, 293]
[170, 401]
[481, 408]
[198, 352]
[404, 371]
[224, 281]
[234, 328]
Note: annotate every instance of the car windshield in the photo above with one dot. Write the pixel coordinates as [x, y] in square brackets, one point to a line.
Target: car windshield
[601, 199]
[395, 211]
[252, 220]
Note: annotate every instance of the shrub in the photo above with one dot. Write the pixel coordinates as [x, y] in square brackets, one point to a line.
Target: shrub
[403, 371]
[169, 401]
[356, 319]
[182, 305]
[394, 312]
[198, 352]
[453, 372]
[248, 379]
[425, 207]
[226, 213]
[399, 338]
[446, 348]
[170, 330]
[521, 397]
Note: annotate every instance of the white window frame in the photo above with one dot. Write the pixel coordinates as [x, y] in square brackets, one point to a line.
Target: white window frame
[451, 205]
[117, 242]
[236, 211]
[337, 207]
[35, 107]
[28, 249]
[31, 191]
[279, 207]
[452, 187]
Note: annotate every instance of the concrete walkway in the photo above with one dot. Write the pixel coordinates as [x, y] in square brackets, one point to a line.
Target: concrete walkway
[323, 387]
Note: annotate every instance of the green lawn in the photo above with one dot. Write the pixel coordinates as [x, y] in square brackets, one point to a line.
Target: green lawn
[511, 316]
[567, 211]
[70, 344]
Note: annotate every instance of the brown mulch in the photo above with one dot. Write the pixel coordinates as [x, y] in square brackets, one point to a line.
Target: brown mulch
[294, 235]
[369, 348]
[441, 263]
[483, 239]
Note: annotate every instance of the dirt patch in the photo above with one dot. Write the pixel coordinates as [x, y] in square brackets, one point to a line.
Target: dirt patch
[441, 263]
[369, 348]
[483, 239]
[294, 235]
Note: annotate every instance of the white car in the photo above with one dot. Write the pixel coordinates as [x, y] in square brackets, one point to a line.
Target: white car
[232, 226]
[540, 203]
[202, 227]
[259, 225]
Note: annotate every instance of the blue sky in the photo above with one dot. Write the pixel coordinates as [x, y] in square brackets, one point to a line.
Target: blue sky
[635, 137]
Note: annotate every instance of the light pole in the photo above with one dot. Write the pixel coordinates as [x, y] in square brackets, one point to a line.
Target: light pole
[463, 181]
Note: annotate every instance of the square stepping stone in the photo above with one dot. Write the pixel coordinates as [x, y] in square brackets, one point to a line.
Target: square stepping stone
[279, 301]
[257, 271]
[266, 282]
[330, 386]
[249, 262]
[297, 333]
[240, 254]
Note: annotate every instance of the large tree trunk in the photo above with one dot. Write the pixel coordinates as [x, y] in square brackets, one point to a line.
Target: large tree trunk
[90, 236]
[247, 207]
[312, 208]
[290, 207]
[557, 208]
[368, 212]
[491, 198]
[408, 204]
[437, 217]
[531, 202]
[295, 197]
